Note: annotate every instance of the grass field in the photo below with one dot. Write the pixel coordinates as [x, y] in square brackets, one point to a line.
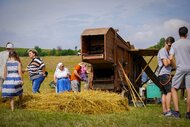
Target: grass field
[136, 117]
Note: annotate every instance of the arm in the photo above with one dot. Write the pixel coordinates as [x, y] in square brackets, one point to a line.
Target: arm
[171, 57]
[20, 72]
[68, 73]
[43, 71]
[5, 71]
[166, 62]
[54, 79]
[172, 60]
[77, 74]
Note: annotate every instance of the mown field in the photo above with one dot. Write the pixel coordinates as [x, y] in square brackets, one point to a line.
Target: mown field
[136, 117]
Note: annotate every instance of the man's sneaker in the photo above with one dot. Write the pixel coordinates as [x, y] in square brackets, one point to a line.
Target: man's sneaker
[187, 116]
[168, 114]
[176, 114]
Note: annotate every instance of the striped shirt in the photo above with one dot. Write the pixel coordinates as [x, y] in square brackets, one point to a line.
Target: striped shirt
[35, 68]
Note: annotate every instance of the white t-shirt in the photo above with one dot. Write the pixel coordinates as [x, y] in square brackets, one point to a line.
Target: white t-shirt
[163, 54]
[4, 57]
[181, 50]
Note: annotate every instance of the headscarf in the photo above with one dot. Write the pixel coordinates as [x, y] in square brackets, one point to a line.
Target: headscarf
[61, 73]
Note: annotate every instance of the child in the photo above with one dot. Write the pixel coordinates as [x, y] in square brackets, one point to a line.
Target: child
[83, 73]
[12, 85]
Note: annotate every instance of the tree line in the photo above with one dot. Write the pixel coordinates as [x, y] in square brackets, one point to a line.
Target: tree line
[64, 52]
[46, 52]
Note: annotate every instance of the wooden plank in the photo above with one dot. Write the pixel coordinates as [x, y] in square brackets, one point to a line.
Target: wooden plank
[103, 86]
[144, 52]
[133, 90]
[94, 56]
[103, 80]
[144, 69]
[141, 62]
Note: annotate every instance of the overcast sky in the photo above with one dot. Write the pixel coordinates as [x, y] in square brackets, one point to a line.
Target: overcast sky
[53, 23]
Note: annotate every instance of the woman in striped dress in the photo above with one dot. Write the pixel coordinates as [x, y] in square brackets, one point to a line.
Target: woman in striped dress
[12, 85]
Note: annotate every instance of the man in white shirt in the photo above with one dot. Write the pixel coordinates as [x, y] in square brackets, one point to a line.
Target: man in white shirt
[164, 75]
[4, 56]
[181, 51]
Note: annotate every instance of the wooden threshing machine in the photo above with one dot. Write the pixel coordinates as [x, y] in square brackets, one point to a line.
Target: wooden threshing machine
[104, 49]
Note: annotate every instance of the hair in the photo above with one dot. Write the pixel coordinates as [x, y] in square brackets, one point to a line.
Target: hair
[183, 31]
[14, 55]
[33, 51]
[170, 40]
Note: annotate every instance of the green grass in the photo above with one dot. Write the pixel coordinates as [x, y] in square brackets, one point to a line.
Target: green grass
[139, 117]
[136, 117]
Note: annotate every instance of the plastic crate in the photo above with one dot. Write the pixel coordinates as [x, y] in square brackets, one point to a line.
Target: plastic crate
[153, 91]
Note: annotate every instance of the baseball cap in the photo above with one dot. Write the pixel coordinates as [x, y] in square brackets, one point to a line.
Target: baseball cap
[9, 45]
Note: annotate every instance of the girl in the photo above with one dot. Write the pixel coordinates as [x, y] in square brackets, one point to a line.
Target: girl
[12, 85]
[83, 72]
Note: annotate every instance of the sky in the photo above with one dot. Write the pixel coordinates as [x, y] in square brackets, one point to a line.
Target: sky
[59, 23]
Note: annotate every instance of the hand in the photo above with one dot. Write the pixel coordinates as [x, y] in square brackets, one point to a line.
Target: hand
[23, 71]
[21, 82]
[81, 79]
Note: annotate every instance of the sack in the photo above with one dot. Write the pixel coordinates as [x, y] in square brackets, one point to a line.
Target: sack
[52, 84]
[164, 79]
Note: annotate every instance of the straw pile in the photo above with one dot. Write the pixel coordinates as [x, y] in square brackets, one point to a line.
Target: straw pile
[86, 102]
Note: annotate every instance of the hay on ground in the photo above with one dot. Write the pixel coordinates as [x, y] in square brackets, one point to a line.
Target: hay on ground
[87, 102]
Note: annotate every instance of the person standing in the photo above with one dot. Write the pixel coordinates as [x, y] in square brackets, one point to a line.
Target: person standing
[12, 85]
[4, 55]
[36, 69]
[181, 51]
[83, 73]
[164, 75]
[61, 78]
[76, 79]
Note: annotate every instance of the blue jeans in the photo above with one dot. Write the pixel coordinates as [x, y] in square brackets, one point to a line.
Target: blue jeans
[36, 83]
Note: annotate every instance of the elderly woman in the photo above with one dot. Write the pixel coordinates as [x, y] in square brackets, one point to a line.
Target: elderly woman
[61, 78]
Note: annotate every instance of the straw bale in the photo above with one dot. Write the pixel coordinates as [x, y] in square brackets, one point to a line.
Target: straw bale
[85, 102]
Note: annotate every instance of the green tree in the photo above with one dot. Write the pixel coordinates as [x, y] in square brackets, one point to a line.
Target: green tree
[38, 49]
[22, 51]
[59, 50]
[53, 52]
[43, 54]
[159, 44]
[75, 48]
